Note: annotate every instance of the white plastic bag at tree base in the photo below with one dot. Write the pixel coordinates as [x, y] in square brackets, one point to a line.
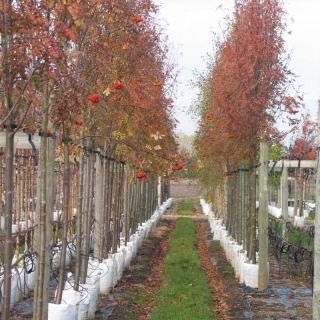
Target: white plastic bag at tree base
[250, 274]
[299, 222]
[114, 269]
[14, 298]
[217, 229]
[274, 211]
[106, 281]
[62, 312]
[22, 283]
[236, 259]
[134, 240]
[79, 299]
[93, 294]
[242, 260]
[120, 264]
[56, 256]
[128, 256]
[14, 228]
[229, 247]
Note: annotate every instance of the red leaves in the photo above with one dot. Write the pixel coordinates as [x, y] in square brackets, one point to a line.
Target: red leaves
[293, 111]
[158, 84]
[49, 133]
[141, 175]
[146, 180]
[178, 166]
[209, 117]
[29, 128]
[95, 98]
[201, 125]
[78, 123]
[202, 155]
[136, 19]
[230, 136]
[118, 86]
[193, 165]
[230, 176]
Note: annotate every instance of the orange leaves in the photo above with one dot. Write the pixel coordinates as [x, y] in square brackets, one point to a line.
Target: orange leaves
[158, 84]
[202, 155]
[95, 98]
[209, 117]
[118, 86]
[141, 175]
[136, 19]
[78, 123]
[178, 167]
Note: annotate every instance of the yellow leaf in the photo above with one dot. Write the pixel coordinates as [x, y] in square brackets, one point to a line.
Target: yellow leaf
[107, 91]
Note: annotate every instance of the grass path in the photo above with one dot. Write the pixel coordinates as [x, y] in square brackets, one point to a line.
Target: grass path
[185, 294]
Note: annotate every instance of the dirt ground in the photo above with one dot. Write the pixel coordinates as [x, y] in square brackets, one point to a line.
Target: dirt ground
[285, 299]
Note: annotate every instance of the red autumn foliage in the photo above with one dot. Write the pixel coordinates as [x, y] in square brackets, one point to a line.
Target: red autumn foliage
[230, 136]
[78, 123]
[118, 86]
[209, 117]
[201, 125]
[136, 19]
[178, 166]
[141, 175]
[158, 84]
[95, 98]
[49, 132]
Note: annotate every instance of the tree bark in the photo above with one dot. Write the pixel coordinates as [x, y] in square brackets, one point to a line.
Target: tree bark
[263, 275]
[284, 202]
[66, 194]
[7, 248]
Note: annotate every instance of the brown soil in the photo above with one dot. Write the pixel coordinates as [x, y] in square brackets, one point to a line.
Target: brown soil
[144, 277]
[287, 299]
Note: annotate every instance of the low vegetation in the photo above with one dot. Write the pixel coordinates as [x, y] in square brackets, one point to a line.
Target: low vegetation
[185, 294]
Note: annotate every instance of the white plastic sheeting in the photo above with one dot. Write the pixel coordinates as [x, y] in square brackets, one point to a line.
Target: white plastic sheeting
[102, 277]
[62, 312]
[244, 270]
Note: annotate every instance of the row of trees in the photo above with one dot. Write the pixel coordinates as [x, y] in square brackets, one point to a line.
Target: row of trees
[243, 102]
[244, 93]
[91, 77]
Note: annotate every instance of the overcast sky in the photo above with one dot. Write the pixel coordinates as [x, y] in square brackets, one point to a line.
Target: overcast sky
[189, 25]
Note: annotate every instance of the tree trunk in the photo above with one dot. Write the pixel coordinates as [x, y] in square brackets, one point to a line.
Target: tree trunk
[253, 216]
[263, 275]
[98, 207]
[40, 296]
[66, 193]
[7, 247]
[79, 223]
[301, 213]
[316, 266]
[284, 202]
[296, 187]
